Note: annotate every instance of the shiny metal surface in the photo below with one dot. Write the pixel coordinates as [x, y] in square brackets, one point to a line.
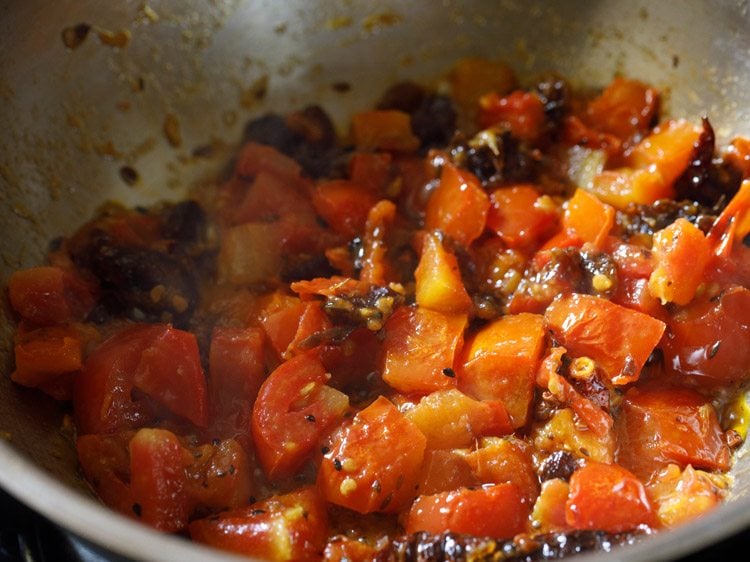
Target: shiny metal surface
[71, 118]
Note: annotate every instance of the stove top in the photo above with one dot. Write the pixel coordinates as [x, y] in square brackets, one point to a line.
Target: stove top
[26, 536]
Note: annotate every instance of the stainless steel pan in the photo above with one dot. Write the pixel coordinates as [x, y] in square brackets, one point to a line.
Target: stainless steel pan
[72, 118]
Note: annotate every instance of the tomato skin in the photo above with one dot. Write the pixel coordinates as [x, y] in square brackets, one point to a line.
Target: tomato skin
[496, 461]
[373, 463]
[588, 217]
[445, 470]
[499, 363]
[386, 129]
[158, 483]
[659, 426]
[473, 512]
[706, 344]
[419, 344]
[371, 170]
[290, 527]
[293, 410]
[619, 339]
[607, 497]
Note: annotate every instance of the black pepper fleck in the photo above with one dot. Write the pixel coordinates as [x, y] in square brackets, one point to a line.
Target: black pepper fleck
[448, 372]
[137, 509]
[337, 464]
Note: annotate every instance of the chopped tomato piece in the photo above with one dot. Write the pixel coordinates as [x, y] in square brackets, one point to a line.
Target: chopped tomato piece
[588, 217]
[681, 252]
[341, 548]
[384, 130]
[105, 462]
[549, 509]
[521, 112]
[158, 356]
[371, 170]
[170, 372]
[607, 497]
[293, 411]
[270, 198]
[219, 475]
[450, 419]
[521, 216]
[445, 470]
[438, 279]
[619, 339]
[236, 372]
[562, 432]
[733, 223]
[376, 269]
[668, 149]
[500, 360]
[344, 205]
[419, 345]
[458, 206]
[623, 186]
[45, 354]
[683, 495]
[49, 295]
[706, 344]
[288, 322]
[669, 425]
[505, 460]
[473, 512]
[158, 482]
[250, 253]
[625, 108]
[290, 528]
[255, 158]
[373, 463]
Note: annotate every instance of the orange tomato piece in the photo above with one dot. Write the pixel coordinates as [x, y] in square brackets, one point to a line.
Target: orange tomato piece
[496, 461]
[255, 158]
[500, 361]
[385, 129]
[549, 509]
[521, 112]
[668, 148]
[444, 470]
[681, 252]
[669, 425]
[458, 206]
[289, 527]
[374, 462]
[607, 497]
[520, 216]
[623, 186]
[625, 108]
[619, 339]
[105, 462]
[683, 495]
[43, 355]
[49, 295]
[450, 419]
[371, 170]
[588, 217]
[344, 205]
[438, 279]
[419, 345]
[473, 512]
